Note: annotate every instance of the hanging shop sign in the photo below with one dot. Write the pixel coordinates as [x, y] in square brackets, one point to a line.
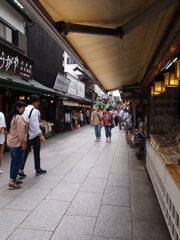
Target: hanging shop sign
[76, 88]
[15, 63]
[61, 83]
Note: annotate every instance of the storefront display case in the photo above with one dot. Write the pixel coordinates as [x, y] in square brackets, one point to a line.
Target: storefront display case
[163, 165]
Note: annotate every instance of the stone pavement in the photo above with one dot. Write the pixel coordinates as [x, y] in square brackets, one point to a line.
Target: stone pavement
[92, 191]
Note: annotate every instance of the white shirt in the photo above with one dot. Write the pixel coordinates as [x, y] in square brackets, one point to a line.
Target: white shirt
[34, 129]
[2, 124]
[81, 117]
[87, 113]
[121, 113]
[128, 118]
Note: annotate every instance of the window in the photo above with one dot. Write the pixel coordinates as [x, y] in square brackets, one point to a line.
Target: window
[6, 32]
[70, 60]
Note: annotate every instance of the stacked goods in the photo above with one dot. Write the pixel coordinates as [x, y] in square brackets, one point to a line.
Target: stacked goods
[168, 145]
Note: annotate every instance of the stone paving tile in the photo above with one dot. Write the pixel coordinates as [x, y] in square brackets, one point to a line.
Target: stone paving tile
[75, 177]
[96, 185]
[25, 234]
[103, 162]
[46, 216]
[64, 191]
[10, 220]
[114, 222]
[119, 180]
[143, 230]
[5, 200]
[99, 172]
[102, 238]
[146, 209]
[138, 175]
[48, 181]
[121, 169]
[74, 227]
[25, 201]
[117, 196]
[85, 204]
[142, 189]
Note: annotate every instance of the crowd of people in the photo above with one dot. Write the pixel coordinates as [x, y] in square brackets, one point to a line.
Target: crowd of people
[24, 132]
[110, 118]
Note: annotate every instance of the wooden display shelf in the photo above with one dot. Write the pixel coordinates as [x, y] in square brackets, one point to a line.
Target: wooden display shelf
[172, 168]
[174, 171]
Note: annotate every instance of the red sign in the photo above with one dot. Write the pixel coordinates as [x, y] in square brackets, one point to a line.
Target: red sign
[15, 63]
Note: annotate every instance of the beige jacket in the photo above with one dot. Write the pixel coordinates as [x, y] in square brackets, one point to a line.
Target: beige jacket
[18, 132]
[97, 119]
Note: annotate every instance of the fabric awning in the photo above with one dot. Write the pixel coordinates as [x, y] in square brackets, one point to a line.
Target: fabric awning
[113, 61]
[70, 103]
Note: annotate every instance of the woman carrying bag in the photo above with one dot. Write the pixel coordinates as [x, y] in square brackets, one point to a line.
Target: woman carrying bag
[108, 122]
[16, 141]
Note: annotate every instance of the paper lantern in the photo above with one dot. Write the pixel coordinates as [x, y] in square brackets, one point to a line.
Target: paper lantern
[170, 80]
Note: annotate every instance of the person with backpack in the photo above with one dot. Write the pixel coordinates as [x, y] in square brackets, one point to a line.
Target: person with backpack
[35, 136]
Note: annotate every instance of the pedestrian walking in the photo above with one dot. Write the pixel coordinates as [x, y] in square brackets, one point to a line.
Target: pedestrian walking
[128, 120]
[107, 122]
[16, 141]
[117, 116]
[35, 136]
[87, 117]
[81, 118]
[96, 120]
[121, 116]
[2, 137]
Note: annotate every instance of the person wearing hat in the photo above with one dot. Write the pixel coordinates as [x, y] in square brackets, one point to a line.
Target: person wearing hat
[35, 136]
[96, 120]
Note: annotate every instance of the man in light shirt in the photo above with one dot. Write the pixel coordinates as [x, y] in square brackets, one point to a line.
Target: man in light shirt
[35, 136]
[121, 116]
[2, 137]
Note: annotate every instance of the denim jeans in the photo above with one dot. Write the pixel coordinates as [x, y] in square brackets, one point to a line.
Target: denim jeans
[97, 129]
[107, 131]
[16, 159]
[36, 143]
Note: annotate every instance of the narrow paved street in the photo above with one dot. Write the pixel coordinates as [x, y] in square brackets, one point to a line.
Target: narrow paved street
[92, 191]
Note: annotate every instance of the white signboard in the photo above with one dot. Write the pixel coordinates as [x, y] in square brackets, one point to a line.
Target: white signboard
[76, 88]
[61, 83]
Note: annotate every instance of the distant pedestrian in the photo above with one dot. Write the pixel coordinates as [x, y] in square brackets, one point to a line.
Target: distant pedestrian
[87, 117]
[96, 120]
[35, 136]
[128, 120]
[16, 141]
[2, 137]
[121, 116]
[116, 116]
[107, 121]
[81, 118]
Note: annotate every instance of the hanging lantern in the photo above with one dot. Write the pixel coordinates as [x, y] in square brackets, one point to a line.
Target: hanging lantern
[177, 69]
[153, 93]
[159, 87]
[170, 80]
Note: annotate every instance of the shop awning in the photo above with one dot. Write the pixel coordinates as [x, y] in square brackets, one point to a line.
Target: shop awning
[10, 81]
[70, 103]
[138, 34]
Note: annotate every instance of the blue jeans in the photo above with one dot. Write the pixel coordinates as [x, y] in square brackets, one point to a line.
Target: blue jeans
[97, 129]
[16, 159]
[107, 131]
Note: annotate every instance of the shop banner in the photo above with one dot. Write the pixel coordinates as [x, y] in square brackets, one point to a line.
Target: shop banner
[61, 83]
[77, 88]
[15, 63]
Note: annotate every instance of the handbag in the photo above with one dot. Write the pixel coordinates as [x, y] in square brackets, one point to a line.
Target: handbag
[112, 125]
